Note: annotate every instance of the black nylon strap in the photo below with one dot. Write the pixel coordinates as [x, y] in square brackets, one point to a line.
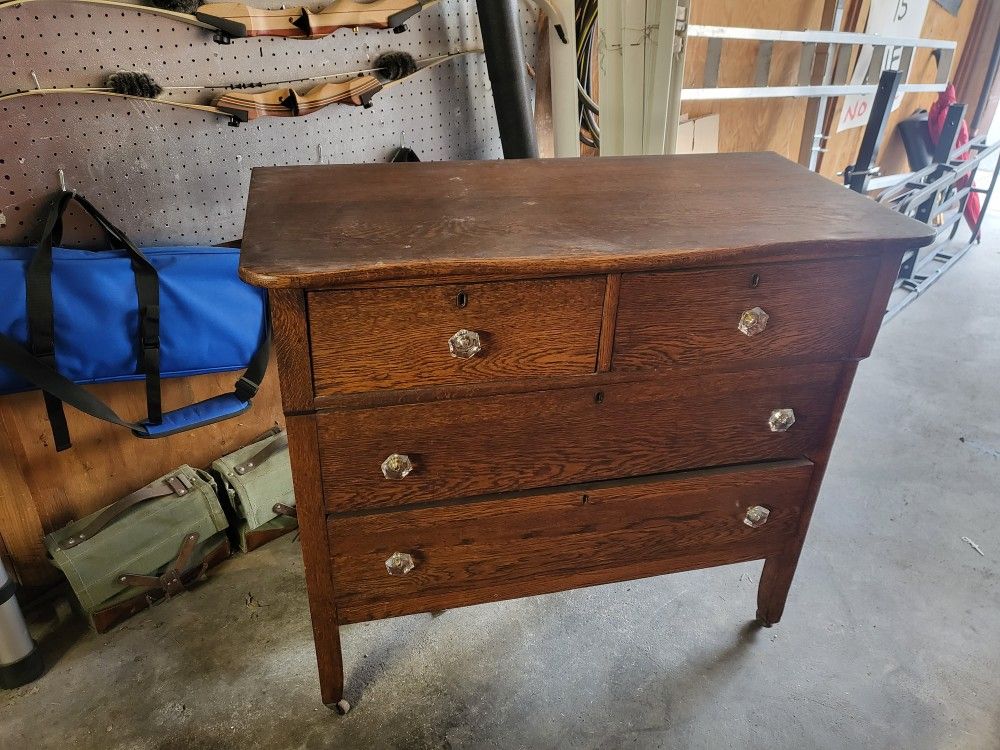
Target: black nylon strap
[41, 375]
[248, 385]
[41, 321]
[7, 591]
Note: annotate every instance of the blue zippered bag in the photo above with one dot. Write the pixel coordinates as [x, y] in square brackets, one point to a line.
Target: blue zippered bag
[71, 317]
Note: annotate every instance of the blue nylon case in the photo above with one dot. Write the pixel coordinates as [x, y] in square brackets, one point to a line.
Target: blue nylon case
[210, 319]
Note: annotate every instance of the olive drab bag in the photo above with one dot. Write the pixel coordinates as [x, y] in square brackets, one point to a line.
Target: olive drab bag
[257, 480]
[149, 545]
[70, 317]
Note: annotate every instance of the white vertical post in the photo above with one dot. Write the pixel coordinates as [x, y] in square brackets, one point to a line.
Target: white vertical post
[656, 129]
[652, 44]
[609, 30]
[676, 84]
[562, 71]
[633, 74]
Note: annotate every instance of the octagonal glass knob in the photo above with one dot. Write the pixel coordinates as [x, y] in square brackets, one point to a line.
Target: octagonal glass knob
[397, 466]
[756, 516]
[400, 563]
[465, 344]
[753, 321]
[781, 419]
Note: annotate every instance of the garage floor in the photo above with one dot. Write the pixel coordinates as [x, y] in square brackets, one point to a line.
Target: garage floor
[891, 638]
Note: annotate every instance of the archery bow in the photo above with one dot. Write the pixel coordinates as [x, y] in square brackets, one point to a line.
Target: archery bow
[235, 20]
[388, 69]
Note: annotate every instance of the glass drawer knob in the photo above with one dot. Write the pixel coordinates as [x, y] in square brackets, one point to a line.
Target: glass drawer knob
[400, 563]
[756, 516]
[465, 344]
[781, 419]
[397, 466]
[753, 321]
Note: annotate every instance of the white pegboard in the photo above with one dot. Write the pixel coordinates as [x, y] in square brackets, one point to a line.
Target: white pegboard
[172, 176]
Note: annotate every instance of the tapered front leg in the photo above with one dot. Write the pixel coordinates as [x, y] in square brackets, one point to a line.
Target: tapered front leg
[304, 453]
[330, 661]
[775, 581]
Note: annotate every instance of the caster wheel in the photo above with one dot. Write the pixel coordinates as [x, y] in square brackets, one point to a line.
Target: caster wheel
[341, 706]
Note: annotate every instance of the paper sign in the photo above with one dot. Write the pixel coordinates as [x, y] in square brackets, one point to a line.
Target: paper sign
[890, 18]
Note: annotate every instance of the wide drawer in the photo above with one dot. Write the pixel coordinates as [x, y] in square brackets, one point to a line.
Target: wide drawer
[399, 338]
[476, 446]
[790, 312]
[561, 539]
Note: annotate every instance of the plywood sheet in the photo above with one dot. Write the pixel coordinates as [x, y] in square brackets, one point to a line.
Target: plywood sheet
[752, 125]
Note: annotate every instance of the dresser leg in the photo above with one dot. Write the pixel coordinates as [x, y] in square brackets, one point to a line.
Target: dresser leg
[331, 667]
[775, 580]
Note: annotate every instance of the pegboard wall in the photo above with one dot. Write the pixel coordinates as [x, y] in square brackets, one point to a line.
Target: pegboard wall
[173, 176]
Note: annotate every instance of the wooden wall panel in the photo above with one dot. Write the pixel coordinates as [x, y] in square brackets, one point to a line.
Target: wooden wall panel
[749, 125]
[42, 490]
[842, 148]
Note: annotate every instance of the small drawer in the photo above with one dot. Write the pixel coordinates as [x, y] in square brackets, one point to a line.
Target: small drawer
[407, 337]
[743, 316]
[459, 448]
[422, 560]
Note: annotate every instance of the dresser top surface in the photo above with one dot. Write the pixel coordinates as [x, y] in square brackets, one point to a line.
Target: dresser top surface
[320, 226]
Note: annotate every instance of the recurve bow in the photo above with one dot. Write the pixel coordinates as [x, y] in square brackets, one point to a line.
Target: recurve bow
[235, 20]
[287, 102]
[239, 107]
[301, 23]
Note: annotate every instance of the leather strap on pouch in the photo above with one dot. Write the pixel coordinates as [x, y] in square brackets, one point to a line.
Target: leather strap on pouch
[276, 446]
[178, 575]
[178, 485]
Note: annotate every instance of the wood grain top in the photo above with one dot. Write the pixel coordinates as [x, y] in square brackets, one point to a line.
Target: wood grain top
[319, 226]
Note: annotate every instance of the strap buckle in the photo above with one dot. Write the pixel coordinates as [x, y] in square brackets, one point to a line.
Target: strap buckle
[246, 389]
[150, 327]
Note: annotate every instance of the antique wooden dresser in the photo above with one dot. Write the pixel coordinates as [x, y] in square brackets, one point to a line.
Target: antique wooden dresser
[511, 378]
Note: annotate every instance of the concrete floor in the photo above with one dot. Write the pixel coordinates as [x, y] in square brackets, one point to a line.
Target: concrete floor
[891, 638]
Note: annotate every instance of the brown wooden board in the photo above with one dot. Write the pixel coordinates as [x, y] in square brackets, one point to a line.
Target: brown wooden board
[551, 216]
[473, 446]
[556, 540]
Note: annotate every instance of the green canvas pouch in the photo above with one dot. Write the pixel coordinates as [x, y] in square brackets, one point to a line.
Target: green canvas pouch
[257, 479]
[146, 540]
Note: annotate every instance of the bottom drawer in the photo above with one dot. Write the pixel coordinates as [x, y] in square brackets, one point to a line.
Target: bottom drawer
[538, 542]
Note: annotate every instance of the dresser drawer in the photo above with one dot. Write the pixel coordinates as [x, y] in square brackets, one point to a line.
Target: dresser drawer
[536, 543]
[469, 447]
[814, 312]
[398, 338]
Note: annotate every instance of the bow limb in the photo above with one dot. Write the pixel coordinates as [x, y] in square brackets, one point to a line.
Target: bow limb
[240, 20]
[104, 92]
[173, 15]
[430, 62]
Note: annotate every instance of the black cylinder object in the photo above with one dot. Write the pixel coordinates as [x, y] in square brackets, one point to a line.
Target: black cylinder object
[500, 25]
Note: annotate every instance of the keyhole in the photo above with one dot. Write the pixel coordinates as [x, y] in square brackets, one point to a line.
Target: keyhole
[462, 299]
[755, 281]
[599, 397]
[585, 499]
